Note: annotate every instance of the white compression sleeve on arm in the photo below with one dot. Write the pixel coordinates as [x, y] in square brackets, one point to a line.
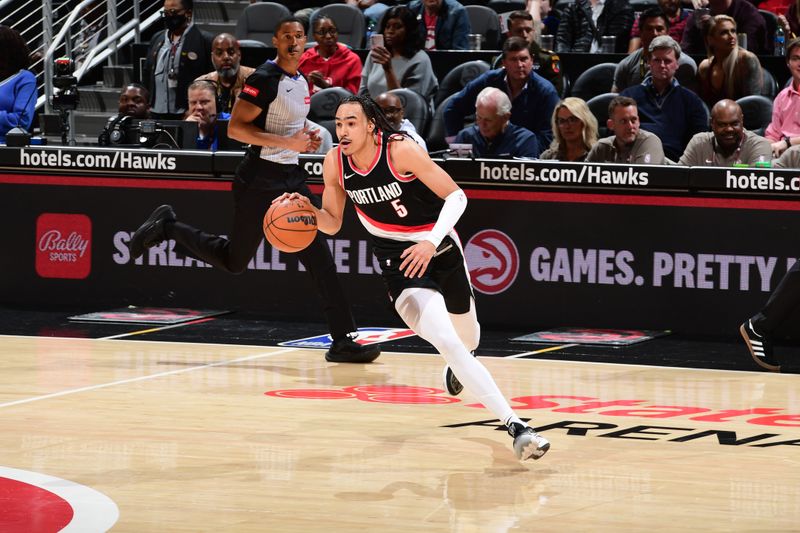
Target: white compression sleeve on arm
[453, 208]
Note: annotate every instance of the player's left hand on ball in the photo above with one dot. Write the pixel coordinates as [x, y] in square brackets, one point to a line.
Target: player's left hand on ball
[416, 258]
[289, 196]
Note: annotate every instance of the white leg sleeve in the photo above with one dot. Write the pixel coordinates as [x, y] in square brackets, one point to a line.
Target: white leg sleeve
[467, 327]
[425, 312]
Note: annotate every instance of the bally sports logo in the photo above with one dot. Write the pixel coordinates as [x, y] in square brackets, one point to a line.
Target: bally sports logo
[493, 261]
[63, 246]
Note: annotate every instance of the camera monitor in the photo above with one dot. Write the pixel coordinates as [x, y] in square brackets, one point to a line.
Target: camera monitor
[175, 134]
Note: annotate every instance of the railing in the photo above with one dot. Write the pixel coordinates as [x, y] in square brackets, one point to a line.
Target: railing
[90, 34]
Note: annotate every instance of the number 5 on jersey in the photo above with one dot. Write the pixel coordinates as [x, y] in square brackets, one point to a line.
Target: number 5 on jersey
[400, 208]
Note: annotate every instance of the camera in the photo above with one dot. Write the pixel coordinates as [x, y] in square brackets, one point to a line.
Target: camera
[148, 127]
[66, 97]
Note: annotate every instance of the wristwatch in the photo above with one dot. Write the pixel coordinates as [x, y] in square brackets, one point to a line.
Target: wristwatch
[788, 141]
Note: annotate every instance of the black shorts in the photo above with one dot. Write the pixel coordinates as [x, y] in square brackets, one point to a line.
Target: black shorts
[446, 273]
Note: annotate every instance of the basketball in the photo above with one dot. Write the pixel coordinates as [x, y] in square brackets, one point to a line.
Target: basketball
[290, 225]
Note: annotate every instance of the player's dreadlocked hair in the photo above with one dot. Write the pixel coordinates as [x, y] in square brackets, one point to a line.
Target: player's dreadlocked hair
[373, 113]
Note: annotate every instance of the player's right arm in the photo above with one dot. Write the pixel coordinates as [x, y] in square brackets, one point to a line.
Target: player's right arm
[329, 217]
[242, 128]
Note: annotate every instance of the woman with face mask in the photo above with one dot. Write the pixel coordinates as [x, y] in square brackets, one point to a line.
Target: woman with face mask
[177, 56]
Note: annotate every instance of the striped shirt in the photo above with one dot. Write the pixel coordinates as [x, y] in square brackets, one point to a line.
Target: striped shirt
[284, 101]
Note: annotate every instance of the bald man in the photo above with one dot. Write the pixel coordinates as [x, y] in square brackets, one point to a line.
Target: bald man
[728, 143]
[392, 107]
[229, 74]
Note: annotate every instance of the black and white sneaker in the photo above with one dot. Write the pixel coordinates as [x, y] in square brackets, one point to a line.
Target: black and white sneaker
[760, 347]
[527, 443]
[347, 350]
[451, 383]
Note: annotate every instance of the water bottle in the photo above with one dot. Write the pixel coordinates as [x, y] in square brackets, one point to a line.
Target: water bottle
[780, 41]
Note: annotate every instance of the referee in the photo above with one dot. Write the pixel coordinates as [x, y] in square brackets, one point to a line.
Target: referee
[270, 115]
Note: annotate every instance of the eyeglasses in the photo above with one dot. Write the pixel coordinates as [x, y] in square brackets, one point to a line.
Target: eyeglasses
[328, 31]
[569, 120]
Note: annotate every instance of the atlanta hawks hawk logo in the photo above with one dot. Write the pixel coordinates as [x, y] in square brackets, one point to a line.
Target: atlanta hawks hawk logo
[493, 261]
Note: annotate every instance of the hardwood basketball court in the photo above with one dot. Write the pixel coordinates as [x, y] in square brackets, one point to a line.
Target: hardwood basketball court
[177, 436]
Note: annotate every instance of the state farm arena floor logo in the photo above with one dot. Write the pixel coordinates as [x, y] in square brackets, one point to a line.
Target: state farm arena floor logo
[402, 394]
[493, 261]
[63, 246]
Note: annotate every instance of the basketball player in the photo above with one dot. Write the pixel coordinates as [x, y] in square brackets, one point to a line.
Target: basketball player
[410, 205]
[270, 115]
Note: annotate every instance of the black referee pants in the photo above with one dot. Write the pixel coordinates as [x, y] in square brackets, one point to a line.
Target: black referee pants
[257, 183]
[782, 302]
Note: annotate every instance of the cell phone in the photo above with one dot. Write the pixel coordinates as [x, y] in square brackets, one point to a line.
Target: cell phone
[376, 39]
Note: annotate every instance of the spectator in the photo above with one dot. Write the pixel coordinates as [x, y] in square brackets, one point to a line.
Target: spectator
[675, 16]
[202, 98]
[748, 20]
[330, 63]
[546, 63]
[791, 21]
[229, 74]
[584, 22]
[728, 143]
[730, 72]
[18, 90]
[790, 158]
[373, 11]
[493, 135]
[443, 23]
[633, 69]
[784, 130]
[672, 112]
[392, 107]
[400, 62]
[629, 144]
[548, 17]
[575, 129]
[91, 30]
[533, 98]
[134, 103]
[176, 57]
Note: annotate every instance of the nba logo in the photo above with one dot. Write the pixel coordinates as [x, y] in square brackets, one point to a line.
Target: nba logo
[63, 246]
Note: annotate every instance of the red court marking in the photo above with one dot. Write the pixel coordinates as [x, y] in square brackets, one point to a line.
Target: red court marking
[26, 508]
[398, 394]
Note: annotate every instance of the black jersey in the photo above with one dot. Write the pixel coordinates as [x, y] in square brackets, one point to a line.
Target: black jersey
[285, 101]
[390, 205]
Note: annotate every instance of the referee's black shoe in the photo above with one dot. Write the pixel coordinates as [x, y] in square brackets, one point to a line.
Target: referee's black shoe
[347, 350]
[760, 347]
[152, 231]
